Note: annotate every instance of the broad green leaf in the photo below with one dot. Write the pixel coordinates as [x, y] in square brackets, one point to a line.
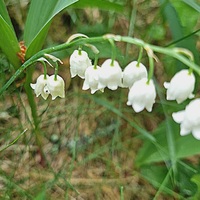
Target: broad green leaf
[8, 40]
[185, 146]
[101, 4]
[38, 21]
[174, 12]
[162, 178]
[9, 43]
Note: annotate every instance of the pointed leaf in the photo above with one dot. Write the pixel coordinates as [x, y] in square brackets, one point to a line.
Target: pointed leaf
[4, 13]
[8, 40]
[9, 43]
[38, 22]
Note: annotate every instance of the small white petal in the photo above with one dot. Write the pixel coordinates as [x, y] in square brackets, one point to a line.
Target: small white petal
[33, 86]
[189, 119]
[142, 95]
[181, 86]
[56, 87]
[91, 79]
[178, 116]
[196, 132]
[166, 85]
[110, 75]
[79, 63]
[38, 87]
[133, 73]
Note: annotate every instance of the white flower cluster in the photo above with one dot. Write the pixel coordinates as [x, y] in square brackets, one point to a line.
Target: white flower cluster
[142, 92]
[49, 85]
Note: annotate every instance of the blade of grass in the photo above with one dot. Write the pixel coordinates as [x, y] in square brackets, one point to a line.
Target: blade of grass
[13, 142]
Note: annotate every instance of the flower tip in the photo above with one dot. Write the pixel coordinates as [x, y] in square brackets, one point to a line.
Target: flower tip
[33, 86]
[166, 85]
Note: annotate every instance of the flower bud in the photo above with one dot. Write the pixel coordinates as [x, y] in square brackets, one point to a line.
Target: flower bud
[79, 62]
[39, 86]
[181, 86]
[56, 87]
[91, 79]
[110, 75]
[133, 73]
[142, 95]
[189, 119]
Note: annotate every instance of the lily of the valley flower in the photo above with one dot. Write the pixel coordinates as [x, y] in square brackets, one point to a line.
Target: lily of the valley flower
[142, 95]
[40, 86]
[189, 119]
[110, 75]
[181, 86]
[133, 72]
[56, 86]
[91, 79]
[79, 62]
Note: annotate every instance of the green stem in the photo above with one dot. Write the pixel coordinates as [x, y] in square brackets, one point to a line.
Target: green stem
[113, 56]
[31, 96]
[167, 51]
[151, 68]
[56, 71]
[140, 56]
[95, 61]
[121, 193]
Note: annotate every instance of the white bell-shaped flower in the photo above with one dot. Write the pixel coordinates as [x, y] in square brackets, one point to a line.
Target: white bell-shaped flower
[40, 86]
[79, 62]
[110, 75]
[142, 95]
[133, 72]
[189, 119]
[91, 79]
[56, 87]
[181, 86]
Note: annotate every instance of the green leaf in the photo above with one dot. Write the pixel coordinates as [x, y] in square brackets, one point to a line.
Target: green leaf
[196, 180]
[185, 146]
[101, 4]
[38, 21]
[9, 43]
[8, 40]
[192, 4]
[174, 12]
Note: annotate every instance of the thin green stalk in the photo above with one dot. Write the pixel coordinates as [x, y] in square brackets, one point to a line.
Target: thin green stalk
[121, 193]
[113, 56]
[139, 57]
[167, 51]
[131, 23]
[151, 68]
[31, 96]
[56, 71]
[95, 61]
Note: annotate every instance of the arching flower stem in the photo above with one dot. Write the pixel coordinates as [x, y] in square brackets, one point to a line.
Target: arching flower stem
[81, 41]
